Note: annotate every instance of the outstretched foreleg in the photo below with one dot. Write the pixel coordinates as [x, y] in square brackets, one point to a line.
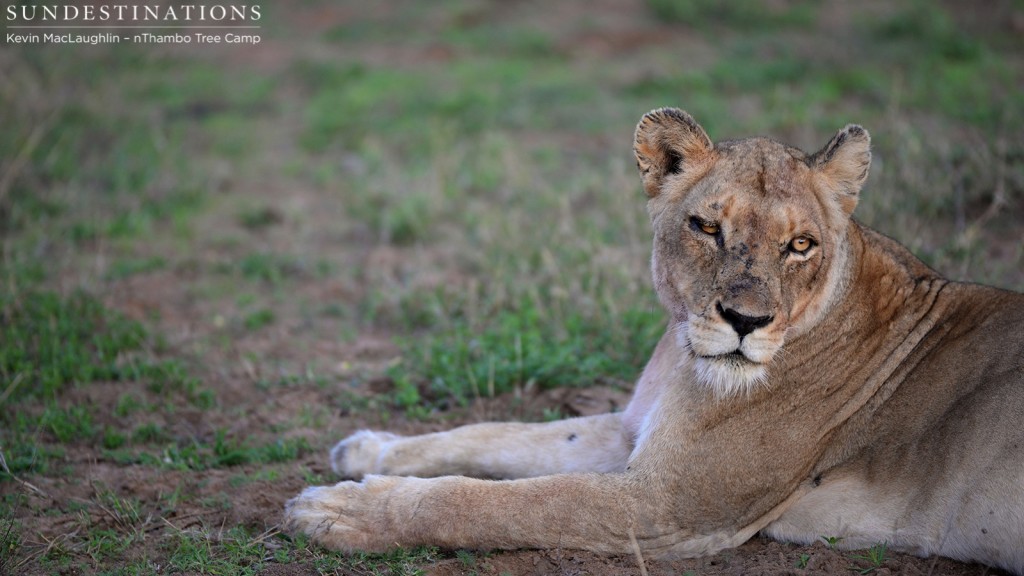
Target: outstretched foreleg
[490, 450]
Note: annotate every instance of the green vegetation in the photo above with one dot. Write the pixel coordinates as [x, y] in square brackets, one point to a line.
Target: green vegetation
[831, 541]
[52, 342]
[521, 348]
[874, 557]
[215, 264]
[742, 14]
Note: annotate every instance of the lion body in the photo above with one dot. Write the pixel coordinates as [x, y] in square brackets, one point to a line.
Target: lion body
[815, 380]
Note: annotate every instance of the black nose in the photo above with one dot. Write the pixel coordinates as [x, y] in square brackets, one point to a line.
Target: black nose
[742, 324]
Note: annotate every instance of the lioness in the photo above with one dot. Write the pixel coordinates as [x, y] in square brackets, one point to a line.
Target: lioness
[815, 379]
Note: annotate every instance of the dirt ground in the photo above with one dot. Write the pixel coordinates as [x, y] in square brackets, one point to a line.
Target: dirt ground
[257, 503]
[253, 496]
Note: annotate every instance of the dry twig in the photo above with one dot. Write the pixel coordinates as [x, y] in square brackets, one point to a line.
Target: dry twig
[636, 551]
[31, 487]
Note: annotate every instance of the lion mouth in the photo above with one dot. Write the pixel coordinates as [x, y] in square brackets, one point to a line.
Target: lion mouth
[730, 373]
[736, 357]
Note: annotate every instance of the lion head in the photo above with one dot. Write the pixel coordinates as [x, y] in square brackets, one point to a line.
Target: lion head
[750, 239]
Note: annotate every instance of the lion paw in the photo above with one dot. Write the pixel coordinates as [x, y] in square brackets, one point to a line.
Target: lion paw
[344, 516]
[361, 453]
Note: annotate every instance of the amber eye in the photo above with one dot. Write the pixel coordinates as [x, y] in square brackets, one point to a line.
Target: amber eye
[707, 227]
[800, 244]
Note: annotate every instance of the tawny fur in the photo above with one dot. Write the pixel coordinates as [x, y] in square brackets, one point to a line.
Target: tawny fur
[844, 390]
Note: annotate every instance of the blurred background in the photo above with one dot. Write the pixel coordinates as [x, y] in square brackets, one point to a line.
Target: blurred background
[386, 211]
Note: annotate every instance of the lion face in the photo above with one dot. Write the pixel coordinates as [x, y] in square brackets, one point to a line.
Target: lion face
[749, 239]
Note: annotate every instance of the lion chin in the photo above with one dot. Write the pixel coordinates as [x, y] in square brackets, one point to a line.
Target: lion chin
[726, 373]
[730, 374]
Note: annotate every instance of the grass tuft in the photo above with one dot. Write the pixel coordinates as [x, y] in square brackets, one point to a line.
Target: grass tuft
[522, 348]
[53, 342]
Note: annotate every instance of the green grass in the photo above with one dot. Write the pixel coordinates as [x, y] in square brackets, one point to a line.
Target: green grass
[708, 15]
[131, 266]
[874, 557]
[521, 348]
[831, 541]
[10, 537]
[236, 552]
[259, 319]
[151, 446]
[54, 341]
[269, 268]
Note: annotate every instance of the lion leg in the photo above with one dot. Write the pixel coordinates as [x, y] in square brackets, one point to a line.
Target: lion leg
[599, 512]
[490, 450]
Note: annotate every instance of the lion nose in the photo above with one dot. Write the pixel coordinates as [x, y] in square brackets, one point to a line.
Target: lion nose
[742, 323]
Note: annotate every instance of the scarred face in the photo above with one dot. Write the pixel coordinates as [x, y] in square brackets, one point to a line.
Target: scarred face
[749, 239]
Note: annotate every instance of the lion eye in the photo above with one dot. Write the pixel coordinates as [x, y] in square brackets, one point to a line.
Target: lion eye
[709, 228]
[800, 244]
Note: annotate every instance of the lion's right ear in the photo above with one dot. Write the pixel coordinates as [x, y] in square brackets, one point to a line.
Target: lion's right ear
[669, 141]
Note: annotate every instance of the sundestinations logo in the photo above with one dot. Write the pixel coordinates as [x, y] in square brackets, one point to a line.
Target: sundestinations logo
[138, 23]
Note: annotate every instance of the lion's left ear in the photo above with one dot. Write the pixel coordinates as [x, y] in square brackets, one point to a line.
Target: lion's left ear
[843, 164]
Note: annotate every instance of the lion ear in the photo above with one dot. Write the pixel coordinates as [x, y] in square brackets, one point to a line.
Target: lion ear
[669, 141]
[843, 164]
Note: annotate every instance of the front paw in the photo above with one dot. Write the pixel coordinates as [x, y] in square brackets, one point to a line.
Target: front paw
[346, 517]
[362, 453]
